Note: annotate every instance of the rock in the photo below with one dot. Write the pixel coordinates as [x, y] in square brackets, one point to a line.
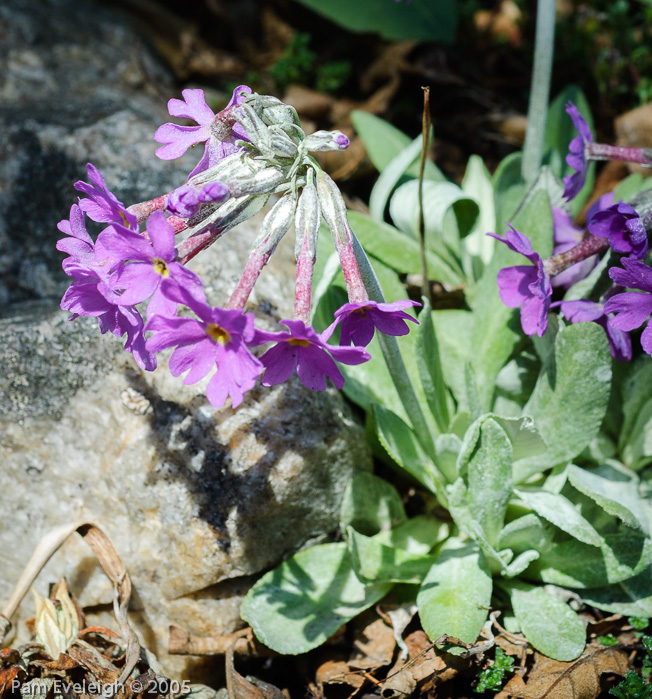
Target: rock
[196, 500]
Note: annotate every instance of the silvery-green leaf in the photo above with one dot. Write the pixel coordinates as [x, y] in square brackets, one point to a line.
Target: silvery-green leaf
[371, 505]
[454, 329]
[417, 535]
[509, 188]
[549, 624]
[520, 563]
[447, 448]
[455, 593]
[375, 562]
[637, 452]
[570, 398]
[297, 606]
[615, 490]
[574, 564]
[632, 597]
[403, 446]
[486, 458]
[477, 184]
[560, 511]
[526, 532]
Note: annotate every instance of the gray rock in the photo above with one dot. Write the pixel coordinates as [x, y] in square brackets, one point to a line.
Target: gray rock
[196, 500]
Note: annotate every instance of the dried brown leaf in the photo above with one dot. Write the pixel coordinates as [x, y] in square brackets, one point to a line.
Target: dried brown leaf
[552, 679]
[7, 677]
[338, 672]
[91, 659]
[239, 687]
[515, 685]
[400, 684]
[374, 646]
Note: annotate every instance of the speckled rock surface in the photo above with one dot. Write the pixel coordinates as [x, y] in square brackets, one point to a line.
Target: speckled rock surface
[197, 501]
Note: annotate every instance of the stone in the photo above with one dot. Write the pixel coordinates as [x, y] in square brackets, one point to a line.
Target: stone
[197, 501]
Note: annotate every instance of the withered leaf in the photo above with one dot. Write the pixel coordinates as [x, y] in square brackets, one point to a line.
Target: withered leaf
[239, 687]
[552, 679]
[374, 646]
[338, 672]
[7, 677]
[91, 659]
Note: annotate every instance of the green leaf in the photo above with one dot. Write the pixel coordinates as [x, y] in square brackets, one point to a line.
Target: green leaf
[449, 215]
[486, 458]
[417, 535]
[632, 597]
[521, 563]
[573, 564]
[382, 141]
[390, 177]
[615, 490]
[297, 606]
[631, 186]
[638, 450]
[403, 446]
[526, 532]
[454, 329]
[430, 368]
[570, 398]
[549, 624]
[376, 562]
[371, 505]
[455, 593]
[420, 20]
[478, 186]
[399, 251]
[560, 511]
[509, 189]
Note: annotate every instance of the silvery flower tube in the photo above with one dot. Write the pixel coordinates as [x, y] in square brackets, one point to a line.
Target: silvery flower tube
[307, 230]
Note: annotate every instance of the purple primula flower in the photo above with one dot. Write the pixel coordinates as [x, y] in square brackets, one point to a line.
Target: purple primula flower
[359, 320]
[577, 157]
[307, 352]
[632, 309]
[219, 135]
[89, 294]
[622, 224]
[218, 337]
[620, 343]
[143, 268]
[102, 205]
[525, 286]
[186, 201]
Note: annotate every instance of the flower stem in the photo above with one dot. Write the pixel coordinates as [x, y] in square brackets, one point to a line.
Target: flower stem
[303, 283]
[425, 138]
[544, 45]
[393, 357]
[589, 246]
[249, 277]
[603, 151]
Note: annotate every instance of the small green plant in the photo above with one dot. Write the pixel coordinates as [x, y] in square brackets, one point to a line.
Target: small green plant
[492, 678]
[632, 687]
[608, 640]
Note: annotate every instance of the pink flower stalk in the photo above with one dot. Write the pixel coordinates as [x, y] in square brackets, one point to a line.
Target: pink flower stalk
[219, 132]
[216, 338]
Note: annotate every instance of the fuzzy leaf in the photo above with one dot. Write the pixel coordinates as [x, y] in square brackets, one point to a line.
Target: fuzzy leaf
[570, 398]
[455, 593]
[632, 597]
[549, 624]
[297, 606]
[371, 505]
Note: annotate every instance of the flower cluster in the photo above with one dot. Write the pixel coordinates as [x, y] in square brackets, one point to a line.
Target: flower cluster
[253, 149]
[613, 227]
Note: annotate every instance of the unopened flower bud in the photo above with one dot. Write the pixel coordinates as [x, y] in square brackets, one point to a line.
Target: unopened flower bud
[183, 202]
[326, 140]
[275, 224]
[280, 143]
[262, 181]
[333, 208]
[213, 192]
[307, 218]
[254, 126]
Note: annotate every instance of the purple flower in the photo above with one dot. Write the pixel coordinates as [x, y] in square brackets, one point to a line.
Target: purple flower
[577, 157]
[620, 343]
[623, 226]
[102, 205]
[632, 309]
[186, 201]
[525, 286]
[143, 268]
[218, 337]
[359, 320]
[218, 132]
[89, 294]
[307, 352]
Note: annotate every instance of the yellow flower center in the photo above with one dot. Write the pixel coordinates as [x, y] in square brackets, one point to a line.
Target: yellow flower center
[218, 334]
[160, 267]
[298, 343]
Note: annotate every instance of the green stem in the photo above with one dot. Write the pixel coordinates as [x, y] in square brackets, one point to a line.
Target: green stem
[393, 357]
[544, 47]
